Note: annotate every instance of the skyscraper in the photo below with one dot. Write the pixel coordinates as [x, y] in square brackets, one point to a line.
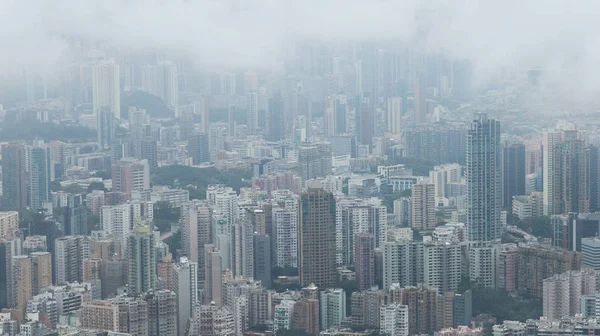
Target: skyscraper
[14, 177]
[571, 175]
[484, 183]
[39, 176]
[198, 148]
[550, 140]
[364, 260]
[75, 216]
[105, 126]
[212, 266]
[316, 238]
[196, 231]
[106, 89]
[262, 259]
[423, 207]
[22, 281]
[275, 129]
[394, 115]
[142, 260]
[185, 287]
[513, 172]
[161, 80]
[71, 251]
[129, 174]
[252, 111]
[333, 308]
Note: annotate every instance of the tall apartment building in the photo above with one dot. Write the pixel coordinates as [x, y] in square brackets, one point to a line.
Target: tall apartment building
[314, 160]
[537, 263]
[436, 143]
[285, 229]
[129, 174]
[14, 177]
[562, 293]
[353, 216]
[333, 308]
[423, 207]
[161, 80]
[484, 180]
[590, 247]
[162, 313]
[483, 264]
[106, 87]
[394, 320]
[444, 174]
[422, 309]
[141, 255]
[185, 286]
[262, 259]
[75, 216]
[39, 175]
[212, 266]
[100, 315]
[571, 175]
[306, 316]
[403, 263]
[275, 119]
[364, 260]
[70, 252]
[41, 271]
[316, 238]
[22, 286]
[550, 140]
[513, 172]
[212, 319]
[443, 263]
[198, 148]
[9, 223]
[252, 111]
[196, 231]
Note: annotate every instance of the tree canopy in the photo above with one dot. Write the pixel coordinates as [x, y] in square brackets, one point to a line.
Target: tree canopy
[198, 178]
[537, 226]
[29, 130]
[153, 105]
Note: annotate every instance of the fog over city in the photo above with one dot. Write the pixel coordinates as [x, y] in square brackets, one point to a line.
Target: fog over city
[558, 36]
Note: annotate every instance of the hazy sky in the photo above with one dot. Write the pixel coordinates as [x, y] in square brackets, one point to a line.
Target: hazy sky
[560, 36]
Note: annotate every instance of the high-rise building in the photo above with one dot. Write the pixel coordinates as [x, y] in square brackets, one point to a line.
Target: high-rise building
[394, 115]
[41, 271]
[75, 216]
[198, 148]
[142, 260]
[483, 264]
[333, 308]
[243, 255]
[39, 176]
[14, 177]
[442, 175]
[9, 247]
[423, 207]
[484, 183]
[185, 287]
[590, 247]
[213, 283]
[550, 140]
[105, 126]
[22, 286]
[212, 319]
[252, 111]
[571, 175]
[443, 264]
[162, 313]
[562, 293]
[283, 314]
[355, 216]
[149, 151]
[161, 80]
[100, 315]
[285, 229]
[364, 260]
[316, 238]
[420, 102]
[196, 231]
[436, 143]
[314, 160]
[129, 174]
[394, 319]
[422, 309]
[275, 120]
[106, 89]
[364, 120]
[340, 110]
[9, 223]
[262, 259]
[306, 316]
[402, 263]
[513, 172]
[70, 253]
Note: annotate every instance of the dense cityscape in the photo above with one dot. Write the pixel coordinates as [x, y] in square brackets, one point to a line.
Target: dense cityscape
[352, 188]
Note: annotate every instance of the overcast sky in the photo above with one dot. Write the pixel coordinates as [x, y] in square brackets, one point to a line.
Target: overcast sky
[560, 36]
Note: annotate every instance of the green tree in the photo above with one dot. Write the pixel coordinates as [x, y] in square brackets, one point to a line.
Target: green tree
[537, 226]
[96, 186]
[73, 188]
[103, 174]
